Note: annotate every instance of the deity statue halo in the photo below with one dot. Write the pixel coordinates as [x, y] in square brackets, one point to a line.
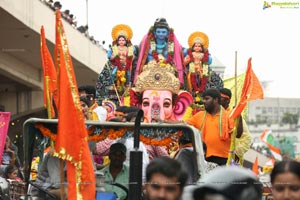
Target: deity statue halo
[121, 30]
[198, 37]
[158, 76]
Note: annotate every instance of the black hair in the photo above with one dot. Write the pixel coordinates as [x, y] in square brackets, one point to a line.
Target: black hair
[226, 91]
[285, 166]
[186, 138]
[9, 169]
[123, 36]
[161, 23]
[85, 100]
[167, 167]
[212, 92]
[89, 89]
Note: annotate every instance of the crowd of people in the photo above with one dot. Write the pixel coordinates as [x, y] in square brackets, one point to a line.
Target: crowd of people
[71, 19]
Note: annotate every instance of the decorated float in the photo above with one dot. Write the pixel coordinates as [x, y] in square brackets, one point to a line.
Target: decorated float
[159, 63]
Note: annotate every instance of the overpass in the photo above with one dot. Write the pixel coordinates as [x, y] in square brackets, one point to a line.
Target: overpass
[21, 74]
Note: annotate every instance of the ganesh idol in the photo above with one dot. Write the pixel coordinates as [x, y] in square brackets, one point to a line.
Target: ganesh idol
[157, 91]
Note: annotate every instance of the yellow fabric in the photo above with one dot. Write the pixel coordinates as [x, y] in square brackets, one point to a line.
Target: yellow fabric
[106, 160]
[242, 144]
[236, 92]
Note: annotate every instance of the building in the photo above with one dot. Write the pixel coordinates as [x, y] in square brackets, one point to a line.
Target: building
[271, 110]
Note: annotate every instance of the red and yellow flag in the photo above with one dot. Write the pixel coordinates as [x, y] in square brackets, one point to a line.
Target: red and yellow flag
[252, 90]
[50, 86]
[255, 166]
[71, 142]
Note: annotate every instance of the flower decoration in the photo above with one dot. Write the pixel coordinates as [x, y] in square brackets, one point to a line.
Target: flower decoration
[164, 138]
[170, 46]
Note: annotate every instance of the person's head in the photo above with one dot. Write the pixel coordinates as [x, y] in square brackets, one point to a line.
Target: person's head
[225, 97]
[161, 28]
[285, 179]
[117, 154]
[269, 197]
[211, 99]
[84, 105]
[11, 172]
[7, 142]
[120, 113]
[229, 183]
[186, 138]
[89, 91]
[165, 179]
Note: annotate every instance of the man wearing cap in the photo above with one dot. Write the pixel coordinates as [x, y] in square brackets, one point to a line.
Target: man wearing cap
[116, 171]
[215, 125]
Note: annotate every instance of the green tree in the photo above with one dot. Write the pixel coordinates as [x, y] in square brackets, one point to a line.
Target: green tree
[289, 118]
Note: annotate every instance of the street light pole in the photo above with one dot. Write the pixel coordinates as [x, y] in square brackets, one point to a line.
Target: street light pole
[87, 12]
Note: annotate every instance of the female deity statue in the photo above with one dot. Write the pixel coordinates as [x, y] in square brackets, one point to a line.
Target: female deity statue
[121, 56]
[197, 59]
[161, 45]
[115, 78]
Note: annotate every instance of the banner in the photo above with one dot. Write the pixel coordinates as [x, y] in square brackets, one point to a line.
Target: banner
[4, 124]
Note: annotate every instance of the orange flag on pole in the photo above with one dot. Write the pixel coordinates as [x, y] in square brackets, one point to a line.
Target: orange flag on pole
[255, 166]
[49, 70]
[252, 90]
[71, 141]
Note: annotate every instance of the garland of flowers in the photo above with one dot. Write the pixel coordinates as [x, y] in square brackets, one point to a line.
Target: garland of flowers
[167, 141]
[170, 46]
[129, 58]
[114, 134]
[121, 73]
[46, 132]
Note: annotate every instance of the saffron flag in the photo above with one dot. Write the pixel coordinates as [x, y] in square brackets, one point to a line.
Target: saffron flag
[4, 124]
[252, 90]
[266, 137]
[255, 166]
[71, 141]
[50, 86]
[236, 90]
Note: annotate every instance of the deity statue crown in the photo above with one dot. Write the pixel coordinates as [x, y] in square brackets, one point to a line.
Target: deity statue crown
[158, 76]
[121, 30]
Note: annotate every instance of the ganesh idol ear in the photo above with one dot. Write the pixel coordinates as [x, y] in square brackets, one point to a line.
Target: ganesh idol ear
[183, 100]
[135, 97]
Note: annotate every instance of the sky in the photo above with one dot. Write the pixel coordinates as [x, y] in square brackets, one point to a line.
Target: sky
[236, 30]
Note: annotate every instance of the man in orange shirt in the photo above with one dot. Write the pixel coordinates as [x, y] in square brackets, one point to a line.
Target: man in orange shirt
[215, 125]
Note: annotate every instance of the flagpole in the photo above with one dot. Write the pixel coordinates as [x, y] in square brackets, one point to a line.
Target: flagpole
[48, 97]
[235, 80]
